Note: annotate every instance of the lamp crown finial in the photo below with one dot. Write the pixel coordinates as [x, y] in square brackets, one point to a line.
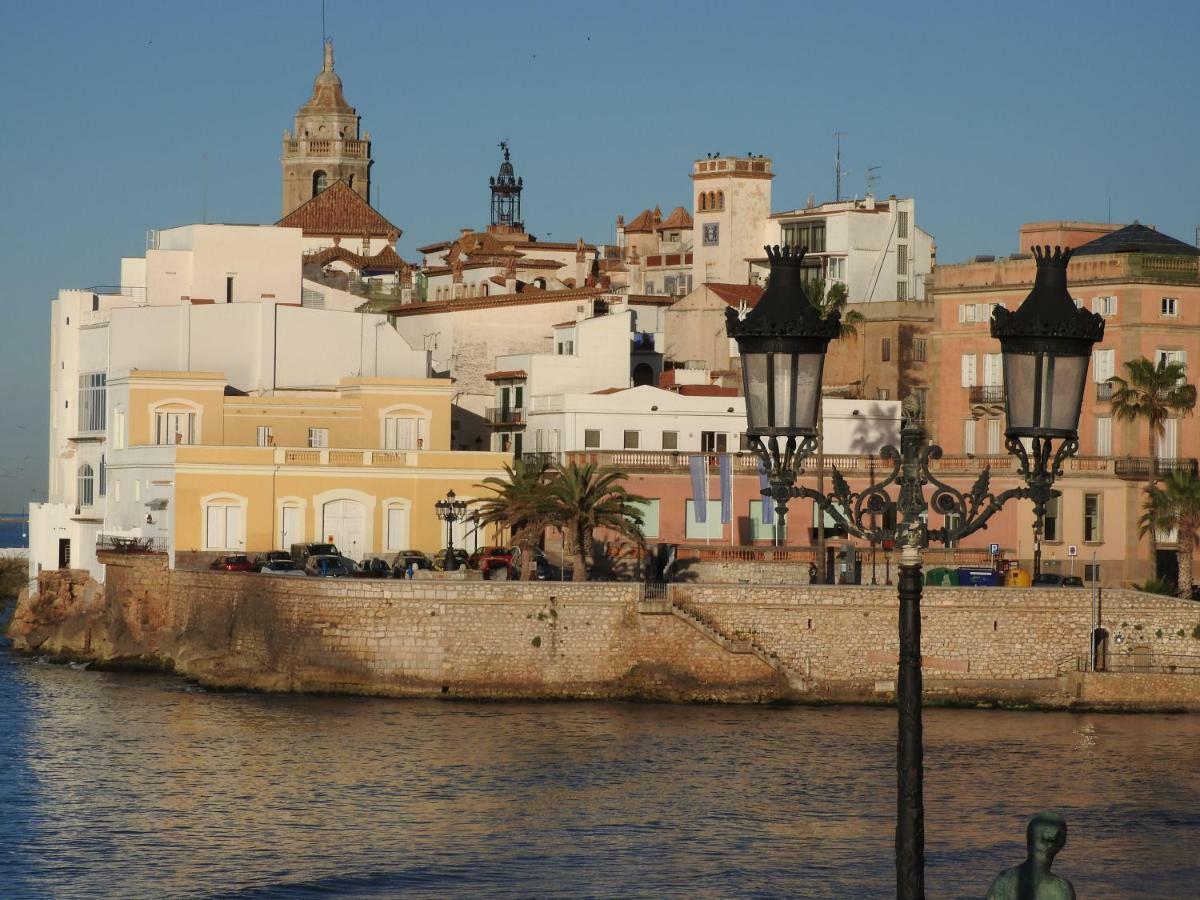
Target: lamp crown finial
[1058, 256]
[785, 255]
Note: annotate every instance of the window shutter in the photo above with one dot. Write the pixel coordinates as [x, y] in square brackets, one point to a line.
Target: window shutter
[968, 370]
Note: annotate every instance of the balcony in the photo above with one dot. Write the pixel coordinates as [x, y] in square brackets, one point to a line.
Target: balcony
[987, 393]
[1138, 468]
[1104, 391]
[505, 415]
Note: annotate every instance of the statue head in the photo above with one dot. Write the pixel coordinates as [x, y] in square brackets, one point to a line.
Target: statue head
[1045, 836]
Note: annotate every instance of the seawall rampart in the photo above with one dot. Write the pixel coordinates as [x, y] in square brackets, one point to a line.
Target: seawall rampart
[607, 639]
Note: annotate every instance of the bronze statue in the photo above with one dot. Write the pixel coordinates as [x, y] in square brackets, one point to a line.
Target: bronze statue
[1032, 879]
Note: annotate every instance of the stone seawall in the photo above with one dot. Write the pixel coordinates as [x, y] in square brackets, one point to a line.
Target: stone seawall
[606, 639]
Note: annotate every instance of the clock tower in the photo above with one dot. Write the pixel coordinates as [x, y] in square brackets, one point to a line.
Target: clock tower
[731, 206]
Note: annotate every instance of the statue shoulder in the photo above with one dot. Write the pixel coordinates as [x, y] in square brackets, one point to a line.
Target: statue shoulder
[1004, 887]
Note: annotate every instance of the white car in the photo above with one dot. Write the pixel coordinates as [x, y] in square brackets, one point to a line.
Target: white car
[282, 567]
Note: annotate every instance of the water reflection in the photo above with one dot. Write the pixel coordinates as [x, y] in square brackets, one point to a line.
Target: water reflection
[122, 785]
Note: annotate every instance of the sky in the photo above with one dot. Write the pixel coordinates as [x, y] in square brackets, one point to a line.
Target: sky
[118, 114]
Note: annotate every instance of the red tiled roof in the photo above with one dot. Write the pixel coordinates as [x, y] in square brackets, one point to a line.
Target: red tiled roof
[612, 390]
[737, 294]
[678, 219]
[645, 221]
[337, 210]
[651, 299]
[527, 297]
[704, 390]
[504, 375]
[571, 324]
[386, 260]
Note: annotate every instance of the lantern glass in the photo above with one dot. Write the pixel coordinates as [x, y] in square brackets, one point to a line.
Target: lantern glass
[1044, 392]
[782, 391]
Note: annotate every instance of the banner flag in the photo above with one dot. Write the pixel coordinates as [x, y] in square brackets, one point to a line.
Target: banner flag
[725, 471]
[699, 468]
[768, 505]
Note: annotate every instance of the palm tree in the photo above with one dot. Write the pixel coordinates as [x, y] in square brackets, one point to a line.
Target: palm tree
[1155, 393]
[583, 498]
[1175, 505]
[519, 501]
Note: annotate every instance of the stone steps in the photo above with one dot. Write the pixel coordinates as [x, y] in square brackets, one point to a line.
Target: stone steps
[737, 645]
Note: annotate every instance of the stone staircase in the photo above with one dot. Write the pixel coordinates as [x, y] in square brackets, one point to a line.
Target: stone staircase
[681, 608]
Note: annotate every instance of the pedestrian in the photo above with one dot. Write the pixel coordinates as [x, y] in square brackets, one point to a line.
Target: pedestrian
[812, 573]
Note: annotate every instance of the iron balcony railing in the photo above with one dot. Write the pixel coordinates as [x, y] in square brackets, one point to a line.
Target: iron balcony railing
[506, 415]
[1104, 391]
[987, 393]
[1138, 468]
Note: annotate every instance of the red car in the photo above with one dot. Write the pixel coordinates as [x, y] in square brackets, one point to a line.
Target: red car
[236, 563]
[494, 562]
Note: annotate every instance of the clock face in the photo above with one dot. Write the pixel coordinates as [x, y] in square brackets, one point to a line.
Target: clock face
[712, 234]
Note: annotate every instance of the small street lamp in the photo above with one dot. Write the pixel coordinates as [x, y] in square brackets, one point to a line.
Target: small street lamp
[451, 510]
[1046, 346]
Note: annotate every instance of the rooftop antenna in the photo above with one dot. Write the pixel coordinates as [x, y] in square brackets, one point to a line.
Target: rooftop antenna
[872, 178]
[837, 167]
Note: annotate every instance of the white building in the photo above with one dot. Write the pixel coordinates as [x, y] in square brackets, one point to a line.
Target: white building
[873, 247]
[204, 298]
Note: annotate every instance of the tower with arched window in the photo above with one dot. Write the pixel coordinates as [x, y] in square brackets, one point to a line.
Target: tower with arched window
[506, 197]
[325, 146]
[731, 208]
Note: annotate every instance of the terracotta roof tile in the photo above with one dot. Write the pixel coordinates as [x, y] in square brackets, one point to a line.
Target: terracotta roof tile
[705, 390]
[506, 374]
[386, 260]
[678, 219]
[611, 390]
[645, 221]
[737, 294]
[338, 210]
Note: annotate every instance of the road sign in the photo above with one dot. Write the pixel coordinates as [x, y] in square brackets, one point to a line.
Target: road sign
[1072, 551]
[994, 549]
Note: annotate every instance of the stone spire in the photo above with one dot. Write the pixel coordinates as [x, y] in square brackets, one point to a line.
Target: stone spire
[325, 145]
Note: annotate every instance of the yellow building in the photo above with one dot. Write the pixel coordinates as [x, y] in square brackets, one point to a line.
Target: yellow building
[203, 468]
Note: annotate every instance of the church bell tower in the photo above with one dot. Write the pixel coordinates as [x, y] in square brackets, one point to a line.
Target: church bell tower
[506, 197]
[325, 145]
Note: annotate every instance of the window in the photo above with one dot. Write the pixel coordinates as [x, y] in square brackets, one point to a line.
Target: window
[83, 493]
[174, 428]
[630, 440]
[266, 436]
[1103, 364]
[228, 288]
[976, 312]
[760, 530]
[744, 443]
[883, 394]
[318, 437]
[837, 268]
[1091, 572]
[118, 430]
[901, 290]
[649, 287]
[591, 439]
[668, 284]
[713, 442]
[92, 388]
[1170, 306]
[1168, 442]
[670, 440]
[993, 436]
[1106, 306]
[968, 370]
[993, 369]
[902, 259]
[223, 526]
[1050, 525]
[1091, 518]
[650, 517]
[919, 351]
[1171, 356]
[902, 224]
[711, 527]
[805, 234]
[319, 180]
[566, 348]
[1104, 435]
[102, 481]
[406, 432]
[885, 350]
[969, 436]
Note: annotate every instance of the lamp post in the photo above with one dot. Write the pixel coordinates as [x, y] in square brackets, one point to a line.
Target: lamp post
[451, 510]
[1046, 346]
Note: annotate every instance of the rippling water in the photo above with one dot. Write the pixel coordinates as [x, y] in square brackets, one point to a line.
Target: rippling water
[121, 785]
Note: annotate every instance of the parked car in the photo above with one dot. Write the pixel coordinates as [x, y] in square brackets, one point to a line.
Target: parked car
[494, 563]
[414, 558]
[373, 567]
[1053, 579]
[272, 556]
[238, 562]
[329, 566]
[439, 559]
[301, 552]
[281, 567]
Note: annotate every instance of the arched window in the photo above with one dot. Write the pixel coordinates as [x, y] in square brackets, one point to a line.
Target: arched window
[483, 290]
[84, 485]
[720, 199]
[712, 200]
[350, 181]
[319, 181]
[700, 202]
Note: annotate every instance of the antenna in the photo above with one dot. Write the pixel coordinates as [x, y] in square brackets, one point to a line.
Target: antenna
[837, 167]
[872, 178]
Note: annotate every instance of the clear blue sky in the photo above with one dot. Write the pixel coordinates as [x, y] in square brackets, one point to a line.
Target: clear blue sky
[989, 114]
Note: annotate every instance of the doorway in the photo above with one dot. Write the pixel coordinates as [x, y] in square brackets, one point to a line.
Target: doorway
[64, 553]
[342, 525]
[1100, 650]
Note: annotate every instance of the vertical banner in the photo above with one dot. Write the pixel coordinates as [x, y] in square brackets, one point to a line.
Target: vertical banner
[725, 471]
[699, 469]
[768, 506]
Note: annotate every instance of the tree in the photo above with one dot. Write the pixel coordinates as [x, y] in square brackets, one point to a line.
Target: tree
[583, 498]
[1175, 505]
[519, 502]
[1155, 393]
[833, 298]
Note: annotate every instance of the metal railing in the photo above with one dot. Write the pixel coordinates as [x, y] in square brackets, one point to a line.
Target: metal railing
[116, 543]
[1138, 468]
[1104, 391]
[987, 393]
[505, 415]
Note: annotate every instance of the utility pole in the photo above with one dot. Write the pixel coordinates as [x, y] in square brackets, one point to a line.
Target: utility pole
[837, 167]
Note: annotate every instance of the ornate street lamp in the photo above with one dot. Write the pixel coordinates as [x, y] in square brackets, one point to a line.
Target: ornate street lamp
[782, 342]
[451, 510]
[1046, 344]
[1046, 349]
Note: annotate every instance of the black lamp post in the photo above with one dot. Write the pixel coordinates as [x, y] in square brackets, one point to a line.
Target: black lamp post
[451, 510]
[1046, 349]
